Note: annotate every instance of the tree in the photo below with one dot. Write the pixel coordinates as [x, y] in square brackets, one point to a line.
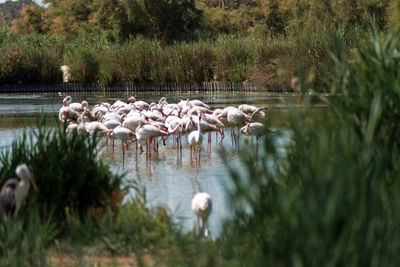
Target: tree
[10, 10]
[30, 20]
[118, 19]
[67, 17]
[173, 19]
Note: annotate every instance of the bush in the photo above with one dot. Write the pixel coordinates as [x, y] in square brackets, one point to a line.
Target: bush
[66, 169]
[30, 59]
[84, 64]
[235, 58]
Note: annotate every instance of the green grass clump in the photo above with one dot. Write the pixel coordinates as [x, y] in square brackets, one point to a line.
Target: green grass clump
[67, 172]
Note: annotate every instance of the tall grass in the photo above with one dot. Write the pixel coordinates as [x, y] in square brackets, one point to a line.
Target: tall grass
[29, 59]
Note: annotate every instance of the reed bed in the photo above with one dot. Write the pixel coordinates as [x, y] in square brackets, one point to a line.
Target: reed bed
[227, 58]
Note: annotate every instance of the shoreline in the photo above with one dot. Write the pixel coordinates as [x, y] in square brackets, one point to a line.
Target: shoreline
[143, 86]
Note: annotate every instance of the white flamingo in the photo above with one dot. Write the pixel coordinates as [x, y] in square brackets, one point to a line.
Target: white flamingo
[146, 132]
[123, 134]
[201, 207]
[195, 139]
[14, 192]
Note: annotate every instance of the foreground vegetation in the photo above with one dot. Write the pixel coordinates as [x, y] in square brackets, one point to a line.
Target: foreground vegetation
[111, 42]
[330, 198]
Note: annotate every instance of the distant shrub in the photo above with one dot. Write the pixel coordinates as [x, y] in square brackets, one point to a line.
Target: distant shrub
[84, 64]
[235, 58]
[29, 63]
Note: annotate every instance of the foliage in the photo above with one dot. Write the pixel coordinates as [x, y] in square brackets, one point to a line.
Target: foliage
[66, 170]
[84, 64]
[29, 59]
[10, 9]
[330, 196]
[172, 19]
[24, 240]
[136, 227]
[30, 20]
[370, 84]
[235, 58]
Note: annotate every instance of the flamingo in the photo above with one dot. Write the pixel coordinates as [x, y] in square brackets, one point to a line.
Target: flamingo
[234, 117]
[140, 104]
[66, 113]
[254, 111]
[123, 134]
[201, 207]
[198, 103]
[112, 123]
[72, 128]
[146, 132]
[14, 192]
[195, 138]
[79, 107]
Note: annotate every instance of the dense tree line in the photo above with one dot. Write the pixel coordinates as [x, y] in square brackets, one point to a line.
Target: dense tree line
[117, 20]
[10, 10]
[174, 20]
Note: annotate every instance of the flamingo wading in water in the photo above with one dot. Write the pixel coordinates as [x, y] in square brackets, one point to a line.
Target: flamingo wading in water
[201, 207]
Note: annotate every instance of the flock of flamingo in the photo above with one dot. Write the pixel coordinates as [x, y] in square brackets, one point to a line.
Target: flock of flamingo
[136, 121]
[143, 123]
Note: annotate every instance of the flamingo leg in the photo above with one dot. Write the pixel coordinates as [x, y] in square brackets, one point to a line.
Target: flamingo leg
[222, 136]
[123, 152]
[232, 133]
[209, 143]
[199, 149]
[136, 149]
[149, 148]
[257, 147]
[238, 138]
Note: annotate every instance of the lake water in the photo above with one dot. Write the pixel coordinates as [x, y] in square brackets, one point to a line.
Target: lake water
[168, 180]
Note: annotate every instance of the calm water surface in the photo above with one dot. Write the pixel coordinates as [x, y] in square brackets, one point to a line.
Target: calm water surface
[168, 180]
